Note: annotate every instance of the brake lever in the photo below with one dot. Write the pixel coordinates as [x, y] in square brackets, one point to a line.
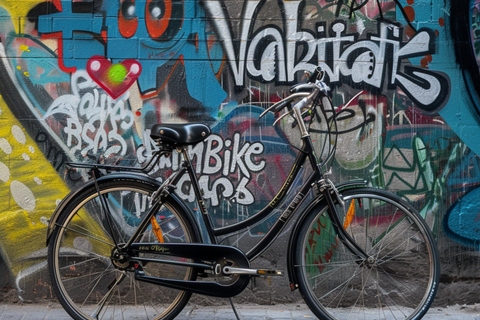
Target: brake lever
[267, 110]
[282, 116]
[282, 103]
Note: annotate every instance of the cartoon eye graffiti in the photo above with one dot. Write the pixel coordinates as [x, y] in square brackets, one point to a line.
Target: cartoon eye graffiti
[128, 9]
[127, 18]
[163, 18]
[157, 9]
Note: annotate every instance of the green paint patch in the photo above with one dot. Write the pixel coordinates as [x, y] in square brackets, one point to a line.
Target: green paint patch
[117, 73]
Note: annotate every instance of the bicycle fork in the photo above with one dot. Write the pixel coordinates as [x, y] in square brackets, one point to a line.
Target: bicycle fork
[329, 191]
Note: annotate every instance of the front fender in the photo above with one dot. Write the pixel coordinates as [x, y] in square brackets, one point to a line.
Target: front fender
[123, 175]
[317, 201]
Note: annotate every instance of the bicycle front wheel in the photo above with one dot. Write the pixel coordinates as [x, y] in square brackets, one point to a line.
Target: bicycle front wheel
[398, 281]
[91, 279]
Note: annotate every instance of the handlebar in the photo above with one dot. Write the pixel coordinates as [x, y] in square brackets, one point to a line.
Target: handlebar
[313, 116]
[307, 91]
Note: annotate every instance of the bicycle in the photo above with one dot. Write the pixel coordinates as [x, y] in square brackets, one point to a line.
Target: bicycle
[126, 245]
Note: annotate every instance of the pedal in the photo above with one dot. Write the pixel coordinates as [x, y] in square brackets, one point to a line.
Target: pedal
[252, 272]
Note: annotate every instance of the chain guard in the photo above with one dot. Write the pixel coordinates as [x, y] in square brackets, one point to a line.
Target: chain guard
[215, 255]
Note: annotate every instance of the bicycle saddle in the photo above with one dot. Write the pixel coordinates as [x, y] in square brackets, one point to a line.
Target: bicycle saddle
[180, 133]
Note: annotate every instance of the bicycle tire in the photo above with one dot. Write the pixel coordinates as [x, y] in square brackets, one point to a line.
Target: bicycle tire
[80, 249]
[400, 283]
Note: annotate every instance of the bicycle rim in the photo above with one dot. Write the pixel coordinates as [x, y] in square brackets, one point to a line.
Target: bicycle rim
[89, 284]
[399, 282]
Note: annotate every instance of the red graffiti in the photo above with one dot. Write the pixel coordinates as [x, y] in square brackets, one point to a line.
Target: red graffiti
[115, 79]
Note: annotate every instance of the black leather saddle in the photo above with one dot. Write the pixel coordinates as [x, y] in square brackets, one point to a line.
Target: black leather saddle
[180, 133]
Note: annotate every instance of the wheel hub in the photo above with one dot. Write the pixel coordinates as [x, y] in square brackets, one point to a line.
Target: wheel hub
[120, 259]
[370, 262]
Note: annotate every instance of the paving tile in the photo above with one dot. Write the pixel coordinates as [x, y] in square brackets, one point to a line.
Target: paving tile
[246, 312]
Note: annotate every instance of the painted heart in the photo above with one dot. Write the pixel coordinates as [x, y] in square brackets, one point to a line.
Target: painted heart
[116, 78]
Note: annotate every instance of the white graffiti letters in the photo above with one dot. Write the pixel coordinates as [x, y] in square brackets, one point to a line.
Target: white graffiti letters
[94, 121]
[269, 54]
[224, 167]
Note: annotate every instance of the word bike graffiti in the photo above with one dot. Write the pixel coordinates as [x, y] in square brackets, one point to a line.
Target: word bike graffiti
[219, 163]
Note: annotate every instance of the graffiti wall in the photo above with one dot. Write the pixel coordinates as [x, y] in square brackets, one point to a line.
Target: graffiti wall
[85, 80]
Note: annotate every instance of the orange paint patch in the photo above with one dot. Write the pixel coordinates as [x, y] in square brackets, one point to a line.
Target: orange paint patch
[410, 12]
[425, 61]
[410, 2]
[409, 32]
[441, 22]
[58, 4]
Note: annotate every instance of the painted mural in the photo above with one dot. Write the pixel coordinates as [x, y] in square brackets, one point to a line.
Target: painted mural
[85, 80]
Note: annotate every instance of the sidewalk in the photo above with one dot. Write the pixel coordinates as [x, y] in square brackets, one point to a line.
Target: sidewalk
[246, 312]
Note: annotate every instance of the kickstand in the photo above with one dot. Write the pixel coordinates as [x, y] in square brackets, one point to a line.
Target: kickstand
[233, 307]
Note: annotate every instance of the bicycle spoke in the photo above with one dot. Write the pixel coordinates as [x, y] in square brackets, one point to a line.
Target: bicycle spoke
[72, 266]
[87, 235]
[362, 288]
[96, 281]
[344, 284]
[107, 296]
[381, 243]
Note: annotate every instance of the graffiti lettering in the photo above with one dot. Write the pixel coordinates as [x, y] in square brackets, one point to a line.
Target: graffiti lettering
[215, 160]
[268, 54]
[94, 121]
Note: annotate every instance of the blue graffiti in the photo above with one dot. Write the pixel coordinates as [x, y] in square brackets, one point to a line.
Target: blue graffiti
[86, 34]
[461, 222]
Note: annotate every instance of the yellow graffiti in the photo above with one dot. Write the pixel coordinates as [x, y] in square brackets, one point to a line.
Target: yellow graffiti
[25, 48]
[19, 9]
[29, 191]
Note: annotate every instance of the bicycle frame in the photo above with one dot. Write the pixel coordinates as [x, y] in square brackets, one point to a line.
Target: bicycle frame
[316, 179]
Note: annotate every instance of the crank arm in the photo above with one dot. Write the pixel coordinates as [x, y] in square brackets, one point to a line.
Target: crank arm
[252, 272]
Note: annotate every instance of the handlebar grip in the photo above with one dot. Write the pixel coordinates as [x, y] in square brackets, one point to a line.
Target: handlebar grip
[276, 107]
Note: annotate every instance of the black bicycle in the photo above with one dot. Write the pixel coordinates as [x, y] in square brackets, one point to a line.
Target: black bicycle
[126, 246]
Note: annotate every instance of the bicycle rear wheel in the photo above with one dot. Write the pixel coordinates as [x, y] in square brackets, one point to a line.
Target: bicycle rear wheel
[89, 278]
[400, 281]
